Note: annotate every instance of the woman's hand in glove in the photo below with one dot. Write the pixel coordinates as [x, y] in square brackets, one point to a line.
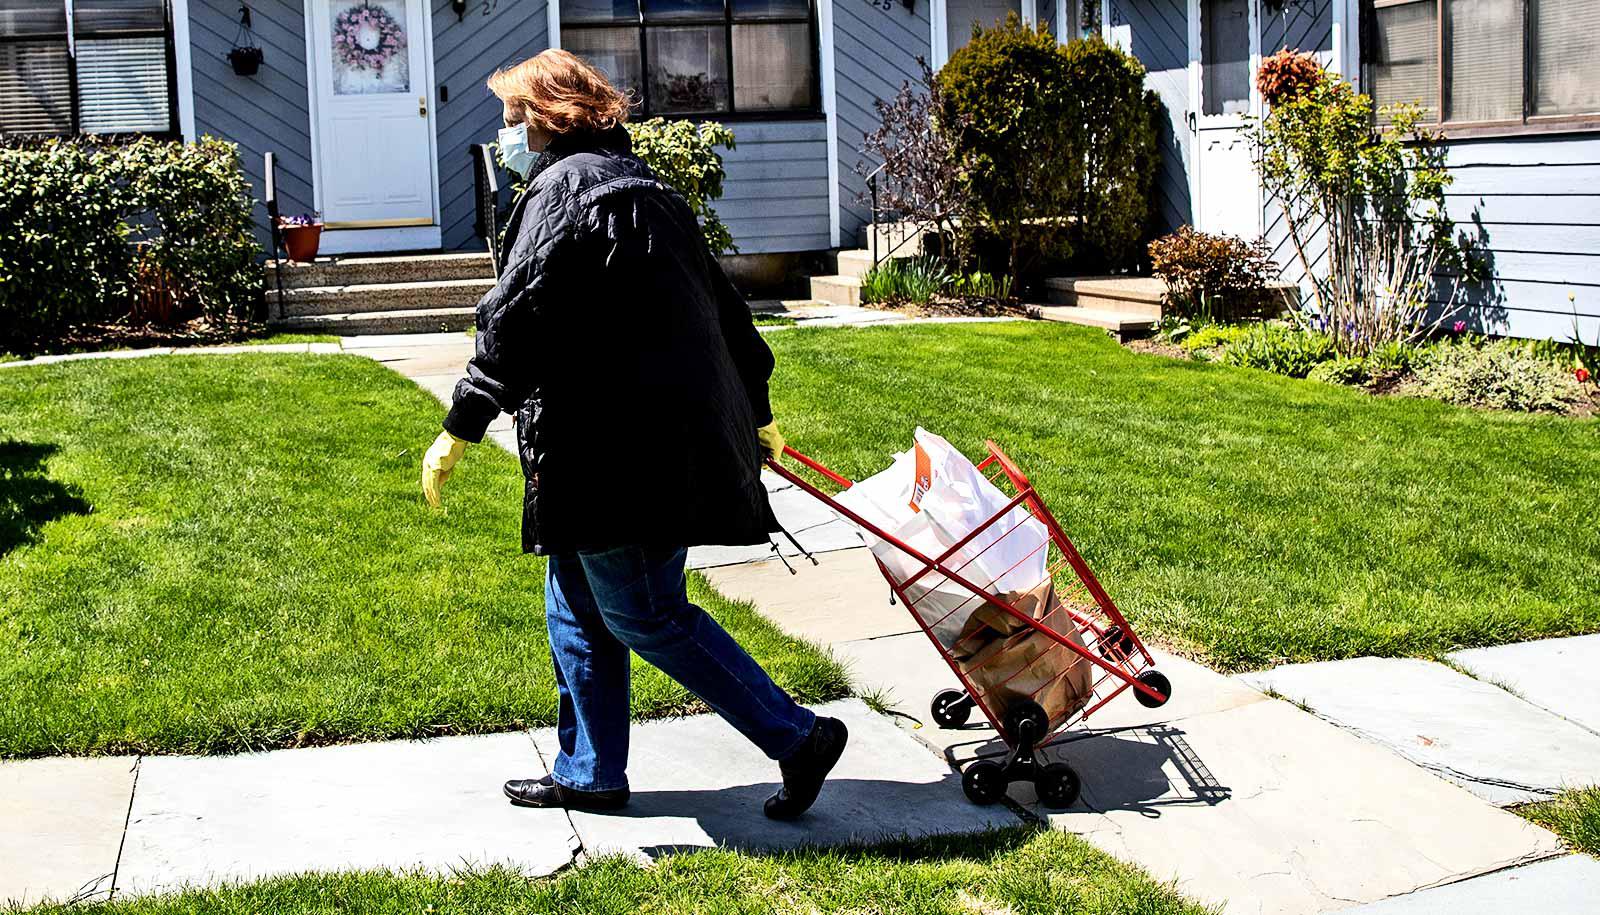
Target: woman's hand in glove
[771, 440]
[441, 458]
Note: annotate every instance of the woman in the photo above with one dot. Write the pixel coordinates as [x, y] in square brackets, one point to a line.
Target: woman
[639, 385]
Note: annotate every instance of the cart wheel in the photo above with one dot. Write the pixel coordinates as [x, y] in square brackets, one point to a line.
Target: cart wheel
[1025, 713]
[1057, 785]
[1157, 681]
[951, 708]
[1114, 640]
[984, 782]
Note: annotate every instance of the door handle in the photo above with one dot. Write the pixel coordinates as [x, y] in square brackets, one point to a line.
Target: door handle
[422, 106]
[1190, 118]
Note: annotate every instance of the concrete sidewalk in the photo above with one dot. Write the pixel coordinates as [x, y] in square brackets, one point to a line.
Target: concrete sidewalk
[1242, 800]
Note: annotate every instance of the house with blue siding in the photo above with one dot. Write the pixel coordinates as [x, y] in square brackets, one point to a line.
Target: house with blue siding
[370, 105]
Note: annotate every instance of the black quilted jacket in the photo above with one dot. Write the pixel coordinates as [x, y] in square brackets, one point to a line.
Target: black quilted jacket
[636, 375]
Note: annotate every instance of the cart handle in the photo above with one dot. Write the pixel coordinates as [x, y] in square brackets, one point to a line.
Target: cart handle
[811, 462]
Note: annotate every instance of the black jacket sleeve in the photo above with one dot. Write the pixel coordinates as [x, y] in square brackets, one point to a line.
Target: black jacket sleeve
[751, 355]
[501, 376]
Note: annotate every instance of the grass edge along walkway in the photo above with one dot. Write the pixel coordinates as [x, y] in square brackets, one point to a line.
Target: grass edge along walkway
[1015, 870]
[1239, 517]
[1573, 815]
[209, 554]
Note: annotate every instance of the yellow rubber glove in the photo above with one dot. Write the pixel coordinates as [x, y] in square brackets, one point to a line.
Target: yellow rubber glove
[771, 440]
[441, 458]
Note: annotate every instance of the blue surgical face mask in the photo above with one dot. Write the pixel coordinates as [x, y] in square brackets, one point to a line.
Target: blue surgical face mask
[514, 150]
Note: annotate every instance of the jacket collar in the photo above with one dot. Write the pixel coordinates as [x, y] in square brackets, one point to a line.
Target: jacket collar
[614, 139]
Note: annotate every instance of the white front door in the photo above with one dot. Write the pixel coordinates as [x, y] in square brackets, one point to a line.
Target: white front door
[1224, 52]
[372, 106]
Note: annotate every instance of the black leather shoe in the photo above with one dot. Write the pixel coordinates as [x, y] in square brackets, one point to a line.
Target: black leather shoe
[805, 769]
[546, 792]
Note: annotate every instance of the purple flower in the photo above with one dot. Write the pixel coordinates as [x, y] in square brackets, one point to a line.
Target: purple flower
[1458, 327]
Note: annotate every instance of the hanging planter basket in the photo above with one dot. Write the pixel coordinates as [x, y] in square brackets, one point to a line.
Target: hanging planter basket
[246, 60]
[246, 56]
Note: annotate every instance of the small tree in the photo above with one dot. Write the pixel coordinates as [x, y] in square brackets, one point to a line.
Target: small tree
[920, 177]
[1006, 100]
[1378, 195]
[1111, 147]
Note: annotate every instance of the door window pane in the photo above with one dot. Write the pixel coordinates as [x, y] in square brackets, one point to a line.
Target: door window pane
[666, 10]
[1566, 45]
[688, 69]
[615, 52]
[773, 67]
[1485, 42]
[369, 47]
[598, 11]
[1403, 62]
[1225, 56]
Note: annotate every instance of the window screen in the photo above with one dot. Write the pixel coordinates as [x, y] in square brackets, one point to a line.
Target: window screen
[1484, 46]
[1403, 55]
[1225, 56]
[1566, 47]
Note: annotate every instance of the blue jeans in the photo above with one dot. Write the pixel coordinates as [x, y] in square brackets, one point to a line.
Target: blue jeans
[599, 606]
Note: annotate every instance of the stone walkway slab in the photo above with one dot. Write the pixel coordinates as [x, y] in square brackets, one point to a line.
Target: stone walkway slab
[698, 784]
[1562, 886]
[61, 826]
[843, 598]
[1265, 809]
[1560, 675]
[1494, 744]
[433, 804]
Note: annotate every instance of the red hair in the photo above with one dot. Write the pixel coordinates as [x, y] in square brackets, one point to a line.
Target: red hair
[559, 93]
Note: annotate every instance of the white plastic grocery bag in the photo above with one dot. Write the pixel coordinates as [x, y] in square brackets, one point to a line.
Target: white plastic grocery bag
[930, 498]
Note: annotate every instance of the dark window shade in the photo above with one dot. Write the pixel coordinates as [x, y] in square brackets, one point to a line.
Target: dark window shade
[1483, 39]
[32, 17]
[1403, 61]
[35, 88]
[668, 10]
[1566, 46]
[600, 11]
[90, 17]
[771, 9]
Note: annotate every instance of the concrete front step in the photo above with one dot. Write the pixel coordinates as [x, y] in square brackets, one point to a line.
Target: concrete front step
[399, 321]
[1125, 325]
[327, 300]
[837, 290]
[407, 268]
[1132, 294]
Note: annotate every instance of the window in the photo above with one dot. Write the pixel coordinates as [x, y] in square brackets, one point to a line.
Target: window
[1225, 56]
[1484, 62]
[106, 68]
[689, 57]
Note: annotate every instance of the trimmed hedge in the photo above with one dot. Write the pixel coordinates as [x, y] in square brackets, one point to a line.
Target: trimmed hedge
[88, 229]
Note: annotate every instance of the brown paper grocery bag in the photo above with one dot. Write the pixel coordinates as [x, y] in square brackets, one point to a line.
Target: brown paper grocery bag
[1006, 660]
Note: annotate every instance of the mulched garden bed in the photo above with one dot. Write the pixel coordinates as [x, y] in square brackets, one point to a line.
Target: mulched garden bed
[90, 338]
[943, 307]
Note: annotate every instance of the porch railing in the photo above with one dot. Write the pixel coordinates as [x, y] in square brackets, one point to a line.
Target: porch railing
[270, 169]
[486, 197]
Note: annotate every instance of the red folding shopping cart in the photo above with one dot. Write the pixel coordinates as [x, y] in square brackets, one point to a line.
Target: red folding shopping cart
[1077, 636]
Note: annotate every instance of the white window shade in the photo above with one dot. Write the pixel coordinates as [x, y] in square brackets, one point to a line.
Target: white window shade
[1403, 63]
[122, 86]
[35, 88]
[1566, 44]
[1485, 42]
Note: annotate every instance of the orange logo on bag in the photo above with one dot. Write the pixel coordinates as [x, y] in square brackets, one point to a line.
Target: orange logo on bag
[924, 480]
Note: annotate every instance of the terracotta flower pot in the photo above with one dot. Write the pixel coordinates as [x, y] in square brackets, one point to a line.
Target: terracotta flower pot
[302, 242]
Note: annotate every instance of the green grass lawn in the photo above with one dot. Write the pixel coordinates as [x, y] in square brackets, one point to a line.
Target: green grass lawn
[1241, 516]
[1572, 815]
[215, 553]
[1015, 871]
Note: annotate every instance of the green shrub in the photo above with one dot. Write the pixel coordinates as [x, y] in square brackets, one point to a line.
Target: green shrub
[904, 280]
[1213, 336]
[1340, 370]
[1212, 277]
[981, 285]
[1279, 348]
[73, 211]
[1501, 375]
[1056, 141]
[683, 154]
